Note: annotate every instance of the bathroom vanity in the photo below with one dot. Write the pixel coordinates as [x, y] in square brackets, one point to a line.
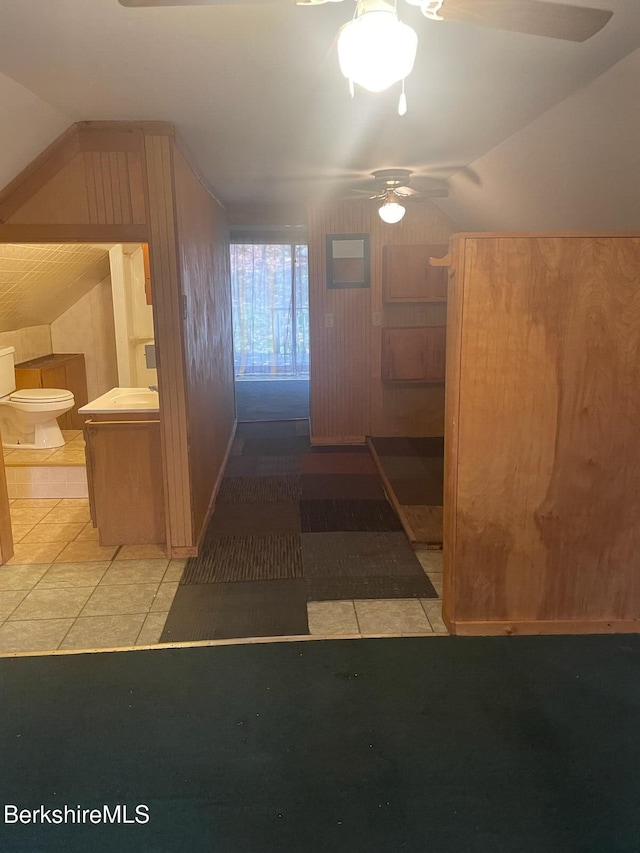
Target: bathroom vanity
[124, 467]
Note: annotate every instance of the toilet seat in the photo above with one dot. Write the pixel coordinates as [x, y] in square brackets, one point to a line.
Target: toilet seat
[41, 395]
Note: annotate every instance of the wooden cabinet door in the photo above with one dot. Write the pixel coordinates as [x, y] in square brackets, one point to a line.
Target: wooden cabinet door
[409, 277]
[28, 377]
[436, 349]
[413, 354]
[125, 472]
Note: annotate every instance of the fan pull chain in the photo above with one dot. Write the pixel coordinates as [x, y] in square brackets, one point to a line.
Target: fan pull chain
[402, 103]
[352, 90]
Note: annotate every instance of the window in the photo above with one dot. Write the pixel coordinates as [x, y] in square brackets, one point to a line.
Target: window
[270, 298]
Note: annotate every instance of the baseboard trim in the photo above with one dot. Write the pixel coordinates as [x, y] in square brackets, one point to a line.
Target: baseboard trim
[324, 440]
[535, 627]
[214, 494]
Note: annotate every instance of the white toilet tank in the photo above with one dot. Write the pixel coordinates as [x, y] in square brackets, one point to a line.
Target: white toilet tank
[7, 371]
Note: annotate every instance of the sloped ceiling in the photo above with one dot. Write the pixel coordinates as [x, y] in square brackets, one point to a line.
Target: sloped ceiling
[577, 167]
[256, 92]
[38, 283]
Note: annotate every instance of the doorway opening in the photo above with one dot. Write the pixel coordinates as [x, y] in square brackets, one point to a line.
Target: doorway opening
[270, 304]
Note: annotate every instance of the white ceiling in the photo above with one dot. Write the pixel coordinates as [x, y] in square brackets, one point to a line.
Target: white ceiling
[256, 93]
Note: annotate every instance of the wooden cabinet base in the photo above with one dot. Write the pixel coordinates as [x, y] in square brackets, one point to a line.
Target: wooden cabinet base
[565, 626]
[126, 490]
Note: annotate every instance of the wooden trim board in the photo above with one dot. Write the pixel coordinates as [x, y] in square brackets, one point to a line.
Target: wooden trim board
[560, 626]
[404, 521]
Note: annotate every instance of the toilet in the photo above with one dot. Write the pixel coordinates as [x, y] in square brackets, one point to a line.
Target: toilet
[28, 417]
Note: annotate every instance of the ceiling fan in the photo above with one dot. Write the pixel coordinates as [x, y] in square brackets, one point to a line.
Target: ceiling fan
[391, 187]
[376, 49]
[536, 17]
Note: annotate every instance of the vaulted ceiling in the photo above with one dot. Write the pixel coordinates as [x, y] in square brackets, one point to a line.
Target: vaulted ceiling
[549, 127]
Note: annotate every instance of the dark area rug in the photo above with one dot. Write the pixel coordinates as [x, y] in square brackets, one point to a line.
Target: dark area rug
[252, 519]
[369, 587]
[481, 745]
[274, 556]
[275, 489]
[275, 446]
[358, 555]
[280, 487]
[272, 400]
[329, 516]
[367, 487]
[211, 611]
[346, 566]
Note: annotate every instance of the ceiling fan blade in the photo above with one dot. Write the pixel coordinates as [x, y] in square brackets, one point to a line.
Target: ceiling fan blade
[536, 17]
[436, 192]
[142, 3]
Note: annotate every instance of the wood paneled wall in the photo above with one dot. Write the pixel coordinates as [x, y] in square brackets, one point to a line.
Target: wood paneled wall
[542, 497]
[349, 400]
[115, 182]
[203, 257]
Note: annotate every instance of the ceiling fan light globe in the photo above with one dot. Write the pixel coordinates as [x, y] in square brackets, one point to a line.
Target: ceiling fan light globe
[376, 50]
[391, 212]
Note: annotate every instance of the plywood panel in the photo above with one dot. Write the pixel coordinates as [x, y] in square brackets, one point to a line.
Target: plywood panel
[203, 257]
[546, 407]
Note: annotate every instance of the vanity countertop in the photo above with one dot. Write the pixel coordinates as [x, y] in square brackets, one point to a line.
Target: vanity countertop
[122, 401]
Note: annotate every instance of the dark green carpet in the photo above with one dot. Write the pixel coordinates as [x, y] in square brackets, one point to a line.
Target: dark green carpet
[500, 745]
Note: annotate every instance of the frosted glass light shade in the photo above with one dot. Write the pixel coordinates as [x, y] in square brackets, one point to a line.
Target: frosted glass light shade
[376, 50]
[391, 212]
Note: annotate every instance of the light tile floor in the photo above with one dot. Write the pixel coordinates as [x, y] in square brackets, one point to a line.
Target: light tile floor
[62, 590]
[72, 453]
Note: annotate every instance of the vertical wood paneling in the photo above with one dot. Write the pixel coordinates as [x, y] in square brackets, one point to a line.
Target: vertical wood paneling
[167, 315]
[203, 242]
[137, 181]
[340, 355]
[547, 406]
[348, 397]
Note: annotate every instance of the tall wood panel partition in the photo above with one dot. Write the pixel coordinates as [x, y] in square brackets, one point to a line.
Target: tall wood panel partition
[542, 494]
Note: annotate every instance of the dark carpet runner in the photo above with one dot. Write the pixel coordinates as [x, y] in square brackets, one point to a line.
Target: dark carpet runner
[272, 399]
[292, 524]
